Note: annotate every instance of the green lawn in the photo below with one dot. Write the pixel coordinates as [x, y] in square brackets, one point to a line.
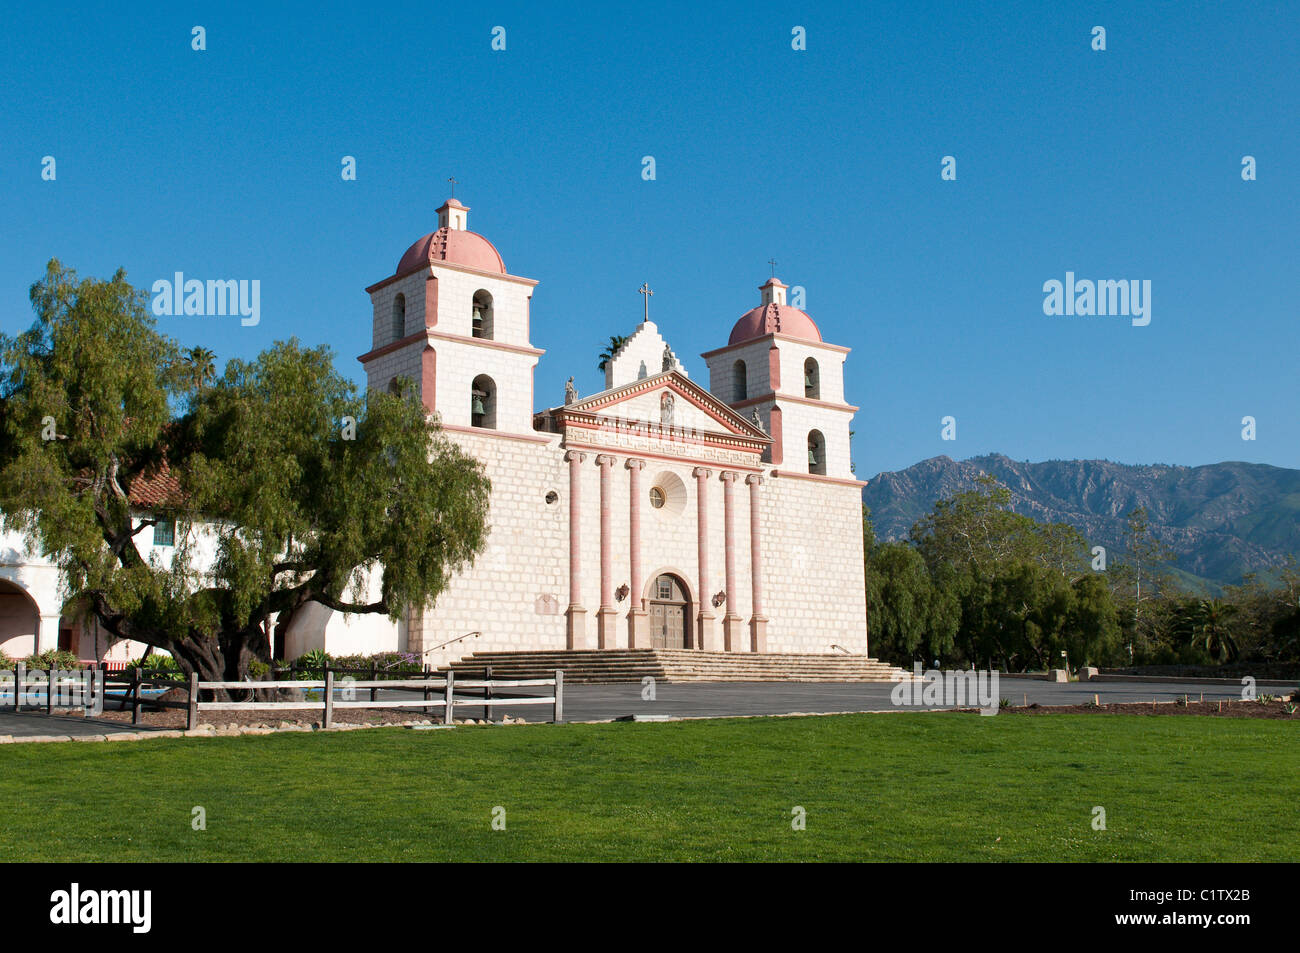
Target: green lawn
[875, 787]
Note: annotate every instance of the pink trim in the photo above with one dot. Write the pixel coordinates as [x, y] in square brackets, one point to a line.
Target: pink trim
[729, 537]
[778, 437]
[487, 432]
[485, 342]
[394, 346]
[737, 442]
[429, 378]
[596, 448]
[430, 301]
[775, 336]
[531, 282]
[817, 478]
[702, 475]
[606, 464]
[755, 553]
[634, 468]
[829, 405]
[683, 386]
[575, 526]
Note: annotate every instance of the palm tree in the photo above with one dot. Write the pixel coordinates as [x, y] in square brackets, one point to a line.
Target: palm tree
[200, 365]
[1212, 629]
[616, 342]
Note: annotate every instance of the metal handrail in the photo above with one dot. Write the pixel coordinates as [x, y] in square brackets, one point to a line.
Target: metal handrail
[449, 642]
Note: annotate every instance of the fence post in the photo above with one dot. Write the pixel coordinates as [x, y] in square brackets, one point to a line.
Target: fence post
[192, 718]
[487, 693]
[135, 696]
[447, 717]
[20, 685]
[329, 698]
[425, 673]
[374, 674]
[558, 715]
[51, 677]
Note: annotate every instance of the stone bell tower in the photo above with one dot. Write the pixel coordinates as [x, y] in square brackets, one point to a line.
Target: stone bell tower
[454, 322]
[777, 366]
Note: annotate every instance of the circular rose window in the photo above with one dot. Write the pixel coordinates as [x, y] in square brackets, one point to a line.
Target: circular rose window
[656, 497]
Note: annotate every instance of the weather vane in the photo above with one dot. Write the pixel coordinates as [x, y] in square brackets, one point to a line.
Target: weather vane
[452, 180]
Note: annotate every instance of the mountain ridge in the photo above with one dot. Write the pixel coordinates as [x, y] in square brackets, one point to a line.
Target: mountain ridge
[1221, 519]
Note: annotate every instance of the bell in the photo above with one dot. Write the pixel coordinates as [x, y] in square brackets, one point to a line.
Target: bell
[478, 405]
[812, 456]
[808, 380]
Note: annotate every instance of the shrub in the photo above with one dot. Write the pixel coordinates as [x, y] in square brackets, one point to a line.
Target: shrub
[53, 658]
[156, 666]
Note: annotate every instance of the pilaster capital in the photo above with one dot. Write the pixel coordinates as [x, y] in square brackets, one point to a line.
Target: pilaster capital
[634, 464]
[605, 460]
[754, 479]
[728, 476]
[575, 456]
[701, 473]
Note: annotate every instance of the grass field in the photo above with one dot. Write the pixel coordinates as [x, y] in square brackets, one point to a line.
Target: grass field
[875, 787]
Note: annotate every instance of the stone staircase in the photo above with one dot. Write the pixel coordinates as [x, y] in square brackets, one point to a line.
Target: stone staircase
[682, 665]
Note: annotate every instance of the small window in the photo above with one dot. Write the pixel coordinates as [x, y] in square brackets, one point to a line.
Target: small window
[399, 317]
[164, 533]
[742, 384]
[665, 587]
[657, 497]
[552, 497]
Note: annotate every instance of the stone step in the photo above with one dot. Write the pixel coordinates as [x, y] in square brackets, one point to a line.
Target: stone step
[629, 665]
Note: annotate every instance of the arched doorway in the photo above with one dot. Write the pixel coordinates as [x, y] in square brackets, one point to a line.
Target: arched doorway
[20, 621]
[670, 613]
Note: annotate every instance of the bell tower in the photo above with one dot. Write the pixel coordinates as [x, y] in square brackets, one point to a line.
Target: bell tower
[455, 324]
[776, 367]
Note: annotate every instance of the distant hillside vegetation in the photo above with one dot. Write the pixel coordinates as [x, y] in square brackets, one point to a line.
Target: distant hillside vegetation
[1223, 520]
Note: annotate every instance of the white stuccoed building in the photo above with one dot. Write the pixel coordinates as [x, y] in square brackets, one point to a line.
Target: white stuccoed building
[654, 514]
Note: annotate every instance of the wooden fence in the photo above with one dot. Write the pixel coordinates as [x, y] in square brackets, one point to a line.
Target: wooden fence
[127, 690]
[448, 700]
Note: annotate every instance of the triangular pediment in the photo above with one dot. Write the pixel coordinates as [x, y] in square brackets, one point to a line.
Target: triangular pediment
[669, 400]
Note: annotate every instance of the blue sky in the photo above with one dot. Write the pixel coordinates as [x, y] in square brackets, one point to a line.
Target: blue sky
[1122, 164]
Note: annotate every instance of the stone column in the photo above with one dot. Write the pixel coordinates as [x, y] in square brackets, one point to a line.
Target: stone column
[576, 615]
[758, 621]
[607, 613]
[638, 619]
[732, 621]
[704, 638]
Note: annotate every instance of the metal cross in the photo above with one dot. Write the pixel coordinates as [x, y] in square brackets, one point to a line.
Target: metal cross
[772, 262]
[645, 290]
[452, 180]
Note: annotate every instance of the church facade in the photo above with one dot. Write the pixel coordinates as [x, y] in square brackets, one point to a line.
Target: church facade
[658, 513]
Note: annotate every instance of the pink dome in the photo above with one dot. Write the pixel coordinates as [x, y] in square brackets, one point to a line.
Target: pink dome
[457, 246]
[774, 319]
